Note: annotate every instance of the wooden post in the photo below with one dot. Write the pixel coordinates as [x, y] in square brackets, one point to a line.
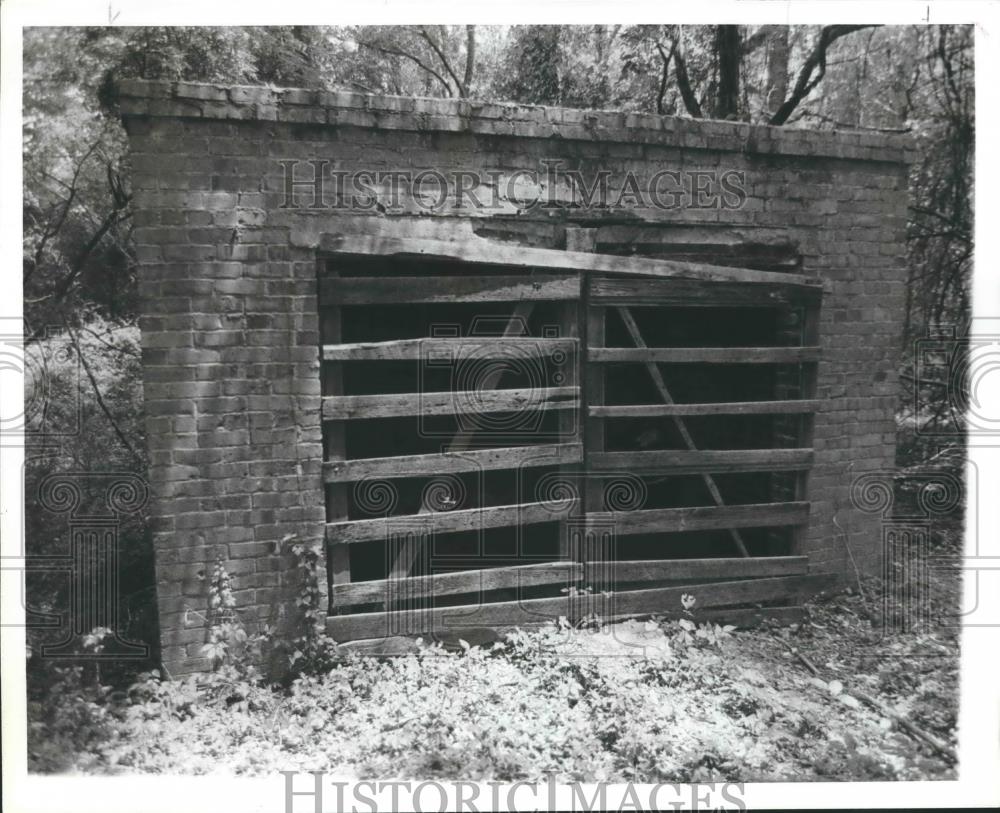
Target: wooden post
[598, 552]
[334, 443]
[807, 421]
[568, 419]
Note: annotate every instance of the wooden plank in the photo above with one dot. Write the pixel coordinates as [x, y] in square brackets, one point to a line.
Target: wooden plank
[721, 568]
[478, 251]
[789, 407]
[334, 449]
[703, 518]
[719, 461]
[761, 248]
[594, 547]
[478, 347]
[807, 423]
[697, 293]
[514, 457]
[529, 612]
[740, 617]
[568, 420]
[666, 600]
[704, 355]
[469, 519]
[593, 438]
[396, 405]
[467, 581]
[382, 290]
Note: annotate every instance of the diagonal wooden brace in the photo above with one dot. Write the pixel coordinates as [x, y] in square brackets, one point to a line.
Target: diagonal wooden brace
[661, 387]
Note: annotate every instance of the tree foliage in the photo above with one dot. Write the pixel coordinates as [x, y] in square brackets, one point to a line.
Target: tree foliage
[77, 254]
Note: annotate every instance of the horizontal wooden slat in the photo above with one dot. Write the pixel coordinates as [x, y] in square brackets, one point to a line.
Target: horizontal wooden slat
[530, 612]
[694, 293]
[477, 347]
[673, 569]
[479, 251]
[552, 454]
[702, 518]
[344, 407]
[720, 408]
[740, 617]
[467, 581]
[382, 290]
[722, 461]
[470, 519]
[705, 355]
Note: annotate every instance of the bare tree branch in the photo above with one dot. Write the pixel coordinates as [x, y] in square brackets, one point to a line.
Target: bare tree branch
[382, 49]
[683, 82]
[666, 57]
[815, 62]
[97, 393]
[115, 216]
[51, 230]
[444, 60]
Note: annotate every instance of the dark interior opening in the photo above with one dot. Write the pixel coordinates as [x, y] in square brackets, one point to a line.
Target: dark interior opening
[466, 368]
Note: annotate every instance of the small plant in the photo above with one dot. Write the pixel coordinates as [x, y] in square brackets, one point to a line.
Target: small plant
[686, 632]
[312, 652]
[227, 639]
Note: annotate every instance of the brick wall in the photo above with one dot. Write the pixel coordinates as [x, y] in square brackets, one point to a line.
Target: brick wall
[228, 289]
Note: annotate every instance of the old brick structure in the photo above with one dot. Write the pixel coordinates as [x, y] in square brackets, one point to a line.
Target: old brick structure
[241, 194]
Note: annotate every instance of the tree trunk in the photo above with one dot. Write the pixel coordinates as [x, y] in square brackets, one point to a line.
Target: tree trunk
[776, 85]
[470, 59]
[727, 46]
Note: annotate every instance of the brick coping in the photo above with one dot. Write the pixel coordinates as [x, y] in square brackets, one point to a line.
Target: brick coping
[189, 100]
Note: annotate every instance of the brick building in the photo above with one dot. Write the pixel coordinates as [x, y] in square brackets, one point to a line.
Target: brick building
[497, 351]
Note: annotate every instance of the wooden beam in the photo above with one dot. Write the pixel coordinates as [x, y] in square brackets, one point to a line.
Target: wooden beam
[661, 388]
[697, 293]
[721, 568]
[704, 355]
[466, 581]
[404, 404]
[720, 408]
[382, 290]
[469, 519]
[702, 518]
[513, 457]
[334, 449]
[477, 347]
[807, 377]
[717, 461]
[527, 612]
[478, 251]
[740, 617]
[594, 547]
[568, 421]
